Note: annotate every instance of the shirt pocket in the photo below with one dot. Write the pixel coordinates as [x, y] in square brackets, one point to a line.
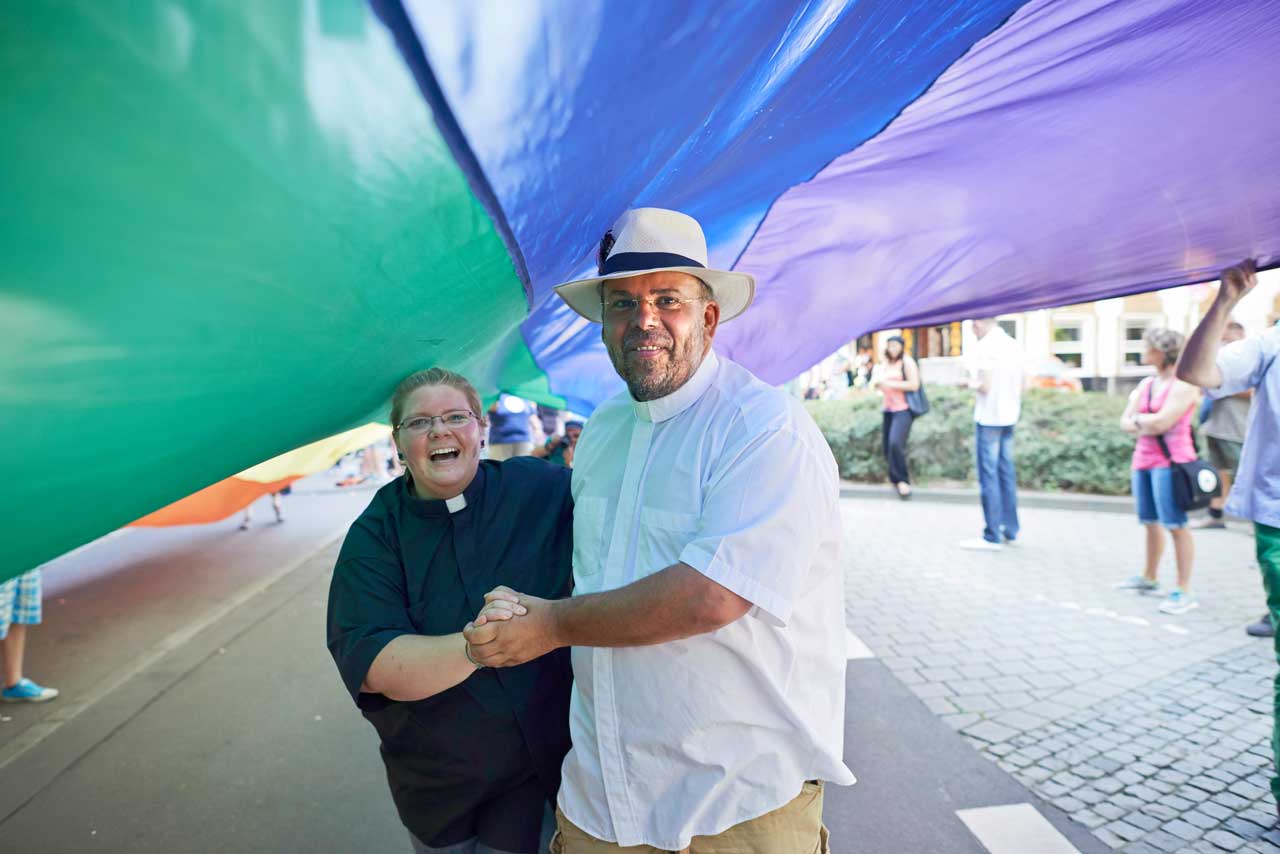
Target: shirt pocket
[663, 536]
[589, 517]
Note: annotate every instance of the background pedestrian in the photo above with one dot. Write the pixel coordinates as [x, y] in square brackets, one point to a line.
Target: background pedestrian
[897, 375]
[1224, 429]
[1160, 409]
[510, 430]
[997, 378]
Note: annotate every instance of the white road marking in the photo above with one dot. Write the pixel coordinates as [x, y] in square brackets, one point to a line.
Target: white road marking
[1015, 829]
[855, 648]
[1098, 611]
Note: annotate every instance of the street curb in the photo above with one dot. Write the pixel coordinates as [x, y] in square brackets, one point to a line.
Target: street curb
[962, 495]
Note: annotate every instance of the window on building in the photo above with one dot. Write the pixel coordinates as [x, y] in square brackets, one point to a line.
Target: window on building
[937, 342]
[1068, 341]
[1132, 346]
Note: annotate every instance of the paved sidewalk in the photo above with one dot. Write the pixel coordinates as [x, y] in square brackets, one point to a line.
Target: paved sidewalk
[1153, 730]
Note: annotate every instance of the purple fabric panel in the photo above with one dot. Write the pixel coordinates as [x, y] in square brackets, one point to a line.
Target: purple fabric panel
[1083, 150]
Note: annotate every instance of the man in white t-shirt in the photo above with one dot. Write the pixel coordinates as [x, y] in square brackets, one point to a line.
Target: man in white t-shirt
[707, 616]
[997, 378]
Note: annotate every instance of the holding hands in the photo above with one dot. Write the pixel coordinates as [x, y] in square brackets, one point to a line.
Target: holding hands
[511, 629]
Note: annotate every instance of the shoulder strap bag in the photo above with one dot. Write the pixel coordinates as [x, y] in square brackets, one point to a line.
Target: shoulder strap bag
[1194, 483]
[917, 401]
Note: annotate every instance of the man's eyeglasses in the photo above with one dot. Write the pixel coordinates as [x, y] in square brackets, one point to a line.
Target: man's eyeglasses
[620, 308]
[419, 424]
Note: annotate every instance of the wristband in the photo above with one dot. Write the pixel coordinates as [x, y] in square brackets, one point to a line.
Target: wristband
[466, 650]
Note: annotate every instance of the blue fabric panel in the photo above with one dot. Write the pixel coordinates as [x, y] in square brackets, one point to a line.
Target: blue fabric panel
[579, 110]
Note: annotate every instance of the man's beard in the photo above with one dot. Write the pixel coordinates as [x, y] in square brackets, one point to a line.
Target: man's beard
[652, 380]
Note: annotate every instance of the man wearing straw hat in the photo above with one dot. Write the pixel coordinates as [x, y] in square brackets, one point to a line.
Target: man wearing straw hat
[707, 621]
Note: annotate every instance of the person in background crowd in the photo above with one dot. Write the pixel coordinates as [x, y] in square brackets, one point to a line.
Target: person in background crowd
[997, 378]
[864, 367]
[844, 368]
[551, 420]
[277, 505]
[20, 606]
[559, 449]
[510, 433]
[1224, 428]
[897, 375]
[1224, 371]
[1161, 406]
[372, 466]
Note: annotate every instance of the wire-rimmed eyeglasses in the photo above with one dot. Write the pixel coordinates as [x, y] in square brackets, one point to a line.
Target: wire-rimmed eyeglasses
[418, 424]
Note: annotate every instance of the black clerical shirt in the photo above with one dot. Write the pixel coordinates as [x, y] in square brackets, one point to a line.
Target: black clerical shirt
[411, 566]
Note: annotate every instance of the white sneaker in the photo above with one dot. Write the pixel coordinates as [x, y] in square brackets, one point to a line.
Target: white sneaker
[1179, 603]
[978, 544]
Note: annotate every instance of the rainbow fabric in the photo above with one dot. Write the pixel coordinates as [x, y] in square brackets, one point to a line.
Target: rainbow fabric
[237, 492]
[231, 228]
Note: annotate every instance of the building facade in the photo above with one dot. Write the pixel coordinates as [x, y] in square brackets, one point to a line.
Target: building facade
[1097, 345]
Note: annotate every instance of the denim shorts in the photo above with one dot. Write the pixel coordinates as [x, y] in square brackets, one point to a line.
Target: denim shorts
[1153, 491]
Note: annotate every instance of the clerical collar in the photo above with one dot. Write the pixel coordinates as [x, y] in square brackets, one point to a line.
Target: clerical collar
[439, 508]
[663, 408]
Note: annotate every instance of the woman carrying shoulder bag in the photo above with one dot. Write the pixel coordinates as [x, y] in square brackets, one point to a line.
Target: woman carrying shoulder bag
[1161, 407]
[898, 375]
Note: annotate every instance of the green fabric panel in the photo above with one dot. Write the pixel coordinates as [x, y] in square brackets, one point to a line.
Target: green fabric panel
[229, 229]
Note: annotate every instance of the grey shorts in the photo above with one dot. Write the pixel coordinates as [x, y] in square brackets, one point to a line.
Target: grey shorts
[1224, 454]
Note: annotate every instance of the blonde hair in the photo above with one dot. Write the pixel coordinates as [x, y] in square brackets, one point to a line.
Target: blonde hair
[434, 376]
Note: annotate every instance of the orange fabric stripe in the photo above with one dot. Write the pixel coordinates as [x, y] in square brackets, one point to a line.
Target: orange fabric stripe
[212, 503]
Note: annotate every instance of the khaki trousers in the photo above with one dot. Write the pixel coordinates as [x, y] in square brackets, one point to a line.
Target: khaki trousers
[793, 828]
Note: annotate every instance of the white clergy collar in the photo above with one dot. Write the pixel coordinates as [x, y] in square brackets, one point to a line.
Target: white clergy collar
[456, 503]
[662, 408]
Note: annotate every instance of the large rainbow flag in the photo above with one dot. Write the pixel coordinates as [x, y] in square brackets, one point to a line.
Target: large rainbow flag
[230, 228]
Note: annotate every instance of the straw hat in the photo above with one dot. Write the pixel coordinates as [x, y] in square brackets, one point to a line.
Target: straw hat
[649, 240]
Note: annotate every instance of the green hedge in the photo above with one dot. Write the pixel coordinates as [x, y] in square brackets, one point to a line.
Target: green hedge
[1063, 442]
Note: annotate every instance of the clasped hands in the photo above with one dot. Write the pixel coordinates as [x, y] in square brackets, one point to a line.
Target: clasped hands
[511, 628]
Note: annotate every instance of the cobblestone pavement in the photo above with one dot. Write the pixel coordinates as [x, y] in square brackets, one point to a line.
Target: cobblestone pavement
[1153, 730]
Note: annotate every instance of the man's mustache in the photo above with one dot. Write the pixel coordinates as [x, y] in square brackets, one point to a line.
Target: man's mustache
[633, 341]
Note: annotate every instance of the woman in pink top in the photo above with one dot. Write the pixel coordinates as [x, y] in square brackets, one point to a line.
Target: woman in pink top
[897, 375]
[1161, 406]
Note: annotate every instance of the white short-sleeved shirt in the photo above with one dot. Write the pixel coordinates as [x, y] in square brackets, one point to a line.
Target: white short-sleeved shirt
[1001, 406]
[1246, 364]
[692, 737]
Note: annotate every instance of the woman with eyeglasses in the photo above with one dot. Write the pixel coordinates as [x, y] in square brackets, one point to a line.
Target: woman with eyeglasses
[472, 755]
